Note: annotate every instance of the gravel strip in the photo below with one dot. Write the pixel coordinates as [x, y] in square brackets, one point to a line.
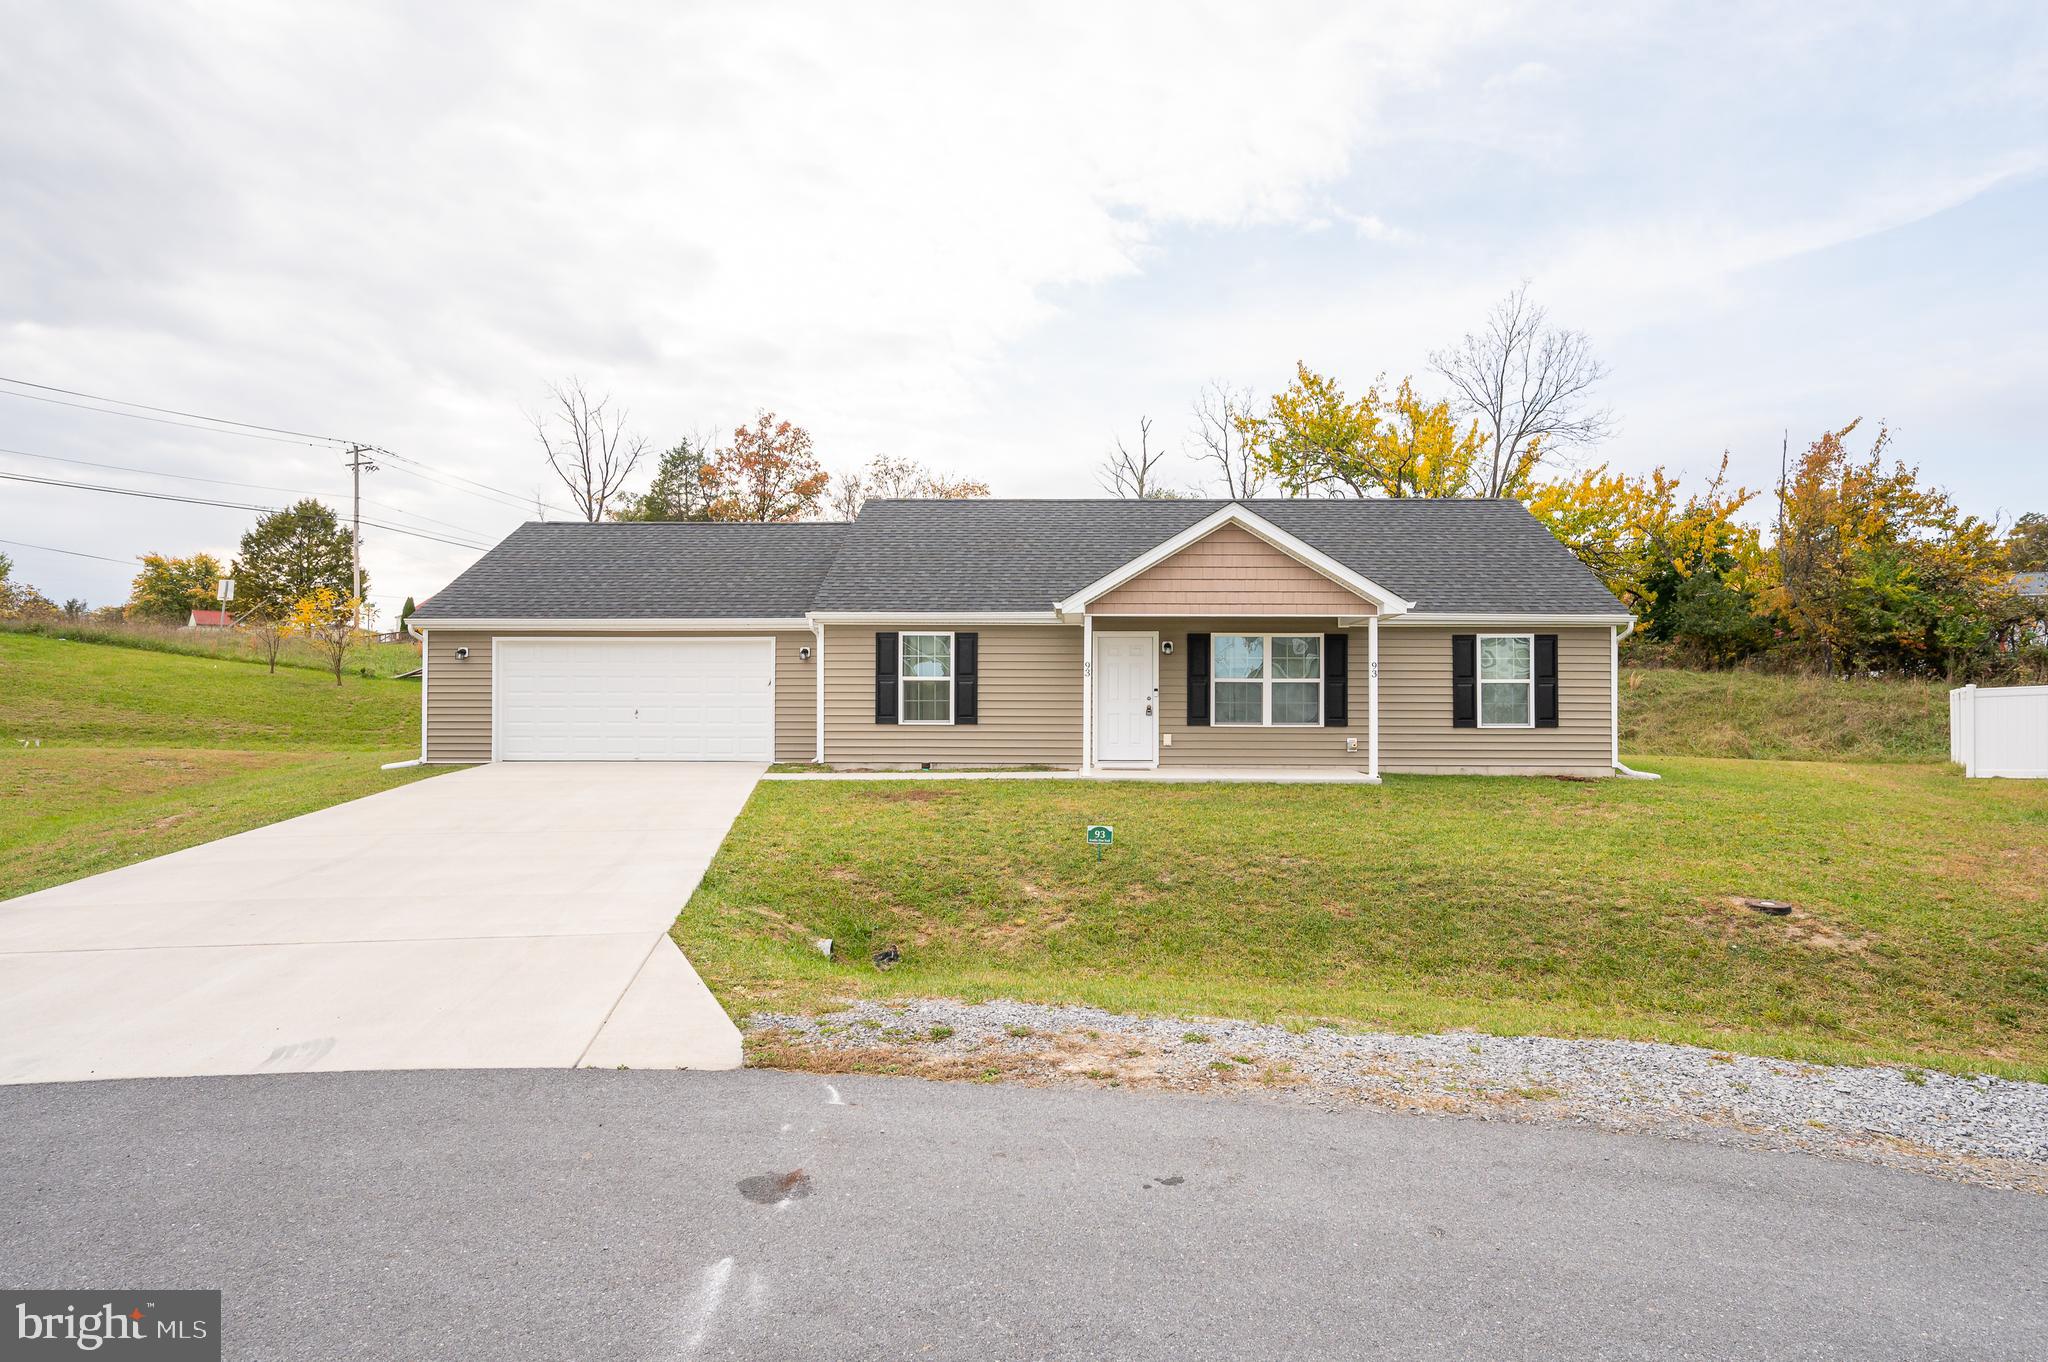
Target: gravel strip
[1981, 1129]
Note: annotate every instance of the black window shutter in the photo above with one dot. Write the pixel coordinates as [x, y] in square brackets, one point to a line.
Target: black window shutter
[885, 678]
[1336, 680]
[1464, 680]
[1546, 680]
[1198, 680]
[966, 679]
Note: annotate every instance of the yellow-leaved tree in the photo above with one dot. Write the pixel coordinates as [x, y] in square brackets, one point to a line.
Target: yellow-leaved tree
[1314, 439]
[326, 618]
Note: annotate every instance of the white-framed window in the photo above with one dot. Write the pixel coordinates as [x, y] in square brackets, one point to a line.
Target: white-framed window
[924, 678]
[1271, 680]
[1507, 680]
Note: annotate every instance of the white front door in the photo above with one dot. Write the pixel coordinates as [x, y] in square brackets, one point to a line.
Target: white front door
[1126, 696]
[635, 699]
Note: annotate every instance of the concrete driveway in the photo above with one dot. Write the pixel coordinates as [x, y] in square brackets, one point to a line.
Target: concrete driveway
[505, 916]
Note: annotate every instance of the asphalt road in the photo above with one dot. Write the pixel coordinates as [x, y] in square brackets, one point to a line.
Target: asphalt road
[606, 1214]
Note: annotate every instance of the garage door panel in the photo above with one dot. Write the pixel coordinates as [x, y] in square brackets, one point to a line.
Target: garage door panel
[706, 699]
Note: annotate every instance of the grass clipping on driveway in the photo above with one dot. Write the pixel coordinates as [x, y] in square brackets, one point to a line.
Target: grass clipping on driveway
[1919, 932]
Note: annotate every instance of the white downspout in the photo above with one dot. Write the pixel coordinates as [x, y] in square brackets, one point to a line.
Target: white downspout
[426, 650]
[1087, 693]
[1372, 697]
[1614, 636]
[818, 659]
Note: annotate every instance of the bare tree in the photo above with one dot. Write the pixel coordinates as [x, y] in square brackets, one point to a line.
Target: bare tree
[849, 493]
[1220, 414]
[1530, 383]
[266, 631]
[888, 478]
[587, 445]
[1135, 476]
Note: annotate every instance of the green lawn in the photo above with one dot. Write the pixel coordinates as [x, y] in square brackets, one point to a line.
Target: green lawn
[146, 752]
[1505, 905]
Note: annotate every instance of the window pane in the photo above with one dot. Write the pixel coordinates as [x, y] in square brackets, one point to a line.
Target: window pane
[927, 702]
[1297, 702]
[927, 655]
[1298, 657]
[1238, 656]
[1504, 659]
[1239, 702]
[1504, 702]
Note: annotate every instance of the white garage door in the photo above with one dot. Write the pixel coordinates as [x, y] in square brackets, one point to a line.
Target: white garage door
[616, 699]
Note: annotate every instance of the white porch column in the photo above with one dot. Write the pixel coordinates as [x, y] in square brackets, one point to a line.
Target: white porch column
[1372, 697]
[1087, 691]
[818, 661]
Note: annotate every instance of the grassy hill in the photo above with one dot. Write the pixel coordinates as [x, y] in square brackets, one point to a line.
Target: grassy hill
[1668, 712]
[147, 752]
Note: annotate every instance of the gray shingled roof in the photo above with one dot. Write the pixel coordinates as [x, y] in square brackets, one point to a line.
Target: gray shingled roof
[1462, 556]
[573, 570]
[1452, 555]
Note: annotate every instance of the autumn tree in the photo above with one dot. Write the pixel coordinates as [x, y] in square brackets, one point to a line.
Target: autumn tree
[292, 553]
[168, 590]
[266, 630]
[587, 444]
[1873, 571]
[890, 478]
[1685, 569]
[2026, 545]
[19, 600]
[1529, 385]
[685, 485]
[1220, 414]
[326, 618]
[768, 473]
[1315, 440]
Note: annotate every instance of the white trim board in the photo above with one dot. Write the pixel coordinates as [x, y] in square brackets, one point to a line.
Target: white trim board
[697, 625]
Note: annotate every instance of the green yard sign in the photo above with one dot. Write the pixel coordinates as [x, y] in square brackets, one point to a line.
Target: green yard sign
[1100, 835]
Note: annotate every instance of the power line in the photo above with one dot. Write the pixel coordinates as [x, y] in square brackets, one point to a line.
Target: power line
[521, 501]
[163, 420]
[230, 482]
[47, 548]
[274, 432]
[227, 505]
[169, 411]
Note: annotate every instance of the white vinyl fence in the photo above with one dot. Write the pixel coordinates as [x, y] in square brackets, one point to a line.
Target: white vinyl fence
[1999, 732]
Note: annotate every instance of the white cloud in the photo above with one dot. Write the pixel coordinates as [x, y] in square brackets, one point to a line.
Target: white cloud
[981, 237]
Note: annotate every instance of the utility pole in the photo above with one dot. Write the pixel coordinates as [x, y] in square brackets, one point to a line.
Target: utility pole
[358, 464]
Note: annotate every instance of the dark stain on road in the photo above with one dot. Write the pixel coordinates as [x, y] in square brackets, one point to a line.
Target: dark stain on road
[772, 1189]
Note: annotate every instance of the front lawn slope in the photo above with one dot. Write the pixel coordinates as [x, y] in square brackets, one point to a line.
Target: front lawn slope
[1674, 713]
[1507, 905]
[110, 755]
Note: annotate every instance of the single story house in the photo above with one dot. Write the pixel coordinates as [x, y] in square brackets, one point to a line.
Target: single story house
[1452, 636]
[209, 619]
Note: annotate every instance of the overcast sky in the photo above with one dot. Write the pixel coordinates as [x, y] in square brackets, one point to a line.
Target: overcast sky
[986, 237]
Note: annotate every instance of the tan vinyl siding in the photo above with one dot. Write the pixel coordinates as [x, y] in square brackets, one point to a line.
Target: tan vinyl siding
[1230, 570]
[458, 694]
[1030, 704]
[1229, 745]
[1415, 708]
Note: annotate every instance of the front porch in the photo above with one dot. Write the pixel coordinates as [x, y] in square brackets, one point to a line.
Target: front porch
[1244, 775]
